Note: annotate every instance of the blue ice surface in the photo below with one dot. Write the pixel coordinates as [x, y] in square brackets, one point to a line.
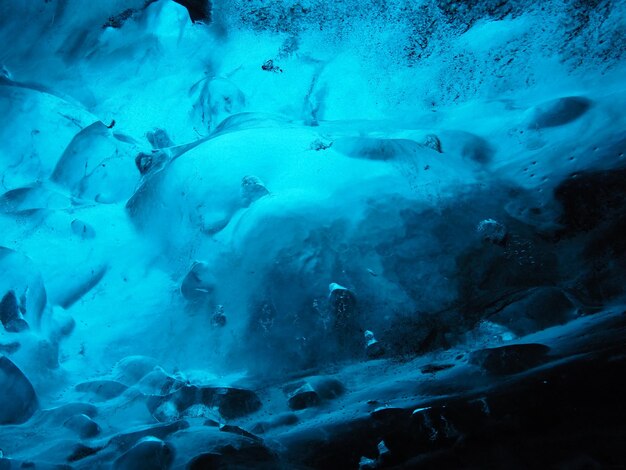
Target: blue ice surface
[261, 191]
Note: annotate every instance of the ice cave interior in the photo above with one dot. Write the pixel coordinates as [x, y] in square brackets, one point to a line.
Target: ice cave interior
[312, 234]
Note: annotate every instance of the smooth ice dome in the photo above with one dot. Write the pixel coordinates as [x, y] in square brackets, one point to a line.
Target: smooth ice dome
[248, 234]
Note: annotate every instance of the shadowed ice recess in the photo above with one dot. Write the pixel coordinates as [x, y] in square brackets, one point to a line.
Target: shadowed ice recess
[312, 234]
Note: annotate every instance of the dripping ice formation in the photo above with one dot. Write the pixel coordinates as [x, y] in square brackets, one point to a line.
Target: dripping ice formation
[248, 234]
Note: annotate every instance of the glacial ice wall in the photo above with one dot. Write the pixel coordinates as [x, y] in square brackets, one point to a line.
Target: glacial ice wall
[244, 189]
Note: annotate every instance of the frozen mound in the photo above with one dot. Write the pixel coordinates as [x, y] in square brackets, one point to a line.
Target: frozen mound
[246, 234]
